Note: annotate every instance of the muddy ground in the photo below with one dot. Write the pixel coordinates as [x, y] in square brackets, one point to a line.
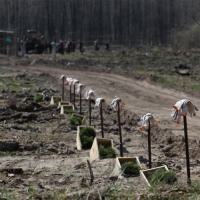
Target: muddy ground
[38, 154]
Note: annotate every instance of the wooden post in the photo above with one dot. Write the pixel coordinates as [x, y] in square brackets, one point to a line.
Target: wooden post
[187, 150]
[63, 88]
[101, 119]
[74, 95]
[80, 99]
[70, 93]
[149, 145]
[89, 112]
[120, 132]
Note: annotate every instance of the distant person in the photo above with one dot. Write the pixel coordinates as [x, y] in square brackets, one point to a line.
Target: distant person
[81, 46]
[96, 45]
[50, 47]
[107, 47]
[73, 46]
[61, 49]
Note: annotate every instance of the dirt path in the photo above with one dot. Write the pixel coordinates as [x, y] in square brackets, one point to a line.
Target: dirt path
[140, 97]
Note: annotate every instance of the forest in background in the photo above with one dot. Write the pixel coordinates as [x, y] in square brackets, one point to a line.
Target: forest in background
[120, 22]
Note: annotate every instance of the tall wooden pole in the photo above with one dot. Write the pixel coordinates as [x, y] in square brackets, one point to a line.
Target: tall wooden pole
[80, 99]
[120, 132]
[63, 88]
[70, 93]
[101, 119]
[74, 95]
[187, 150]
[149, 144]
[90, 112]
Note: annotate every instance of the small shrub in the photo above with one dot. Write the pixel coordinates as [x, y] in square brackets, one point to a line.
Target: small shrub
[38, 98]
[108, 152]
[75, 120]
[162, 176]
[130, 168]
[57, 99]
[68, 111]
[87, 135]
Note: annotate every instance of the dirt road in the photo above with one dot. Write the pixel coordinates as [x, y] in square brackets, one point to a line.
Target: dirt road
[139, 97]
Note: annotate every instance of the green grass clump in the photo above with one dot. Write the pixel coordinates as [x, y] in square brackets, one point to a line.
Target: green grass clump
[162, 176]
[57, 99]
[68, 111]
[130, 168]
[106, 152]
[87, 135]
[75, 120]
[38, 98]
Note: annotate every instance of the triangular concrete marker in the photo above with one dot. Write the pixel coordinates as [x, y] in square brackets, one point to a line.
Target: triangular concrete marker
[94, 151]
[66, 107]
[120, 161]
[78, 140]
[145, 173]
[63, 103]
[52, 99]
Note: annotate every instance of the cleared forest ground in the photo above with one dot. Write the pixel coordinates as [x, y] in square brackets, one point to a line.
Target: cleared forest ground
[36, 138]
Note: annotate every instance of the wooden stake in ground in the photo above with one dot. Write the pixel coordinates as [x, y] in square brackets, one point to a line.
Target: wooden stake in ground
[149, 145]
[63, 83]
[75, 81]
[101, 103]
[182, 108]
[80, 87]
[120, 131]
[118, 104]
[88, 96]
[148, 120]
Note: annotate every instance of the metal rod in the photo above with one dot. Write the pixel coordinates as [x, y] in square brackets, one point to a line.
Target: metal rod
[63, 88]
[70, 93]
[90, 112]
[80, 100]
[187, 150]
[120, 132]
[101, 120]
[74, 95]
[149, 145]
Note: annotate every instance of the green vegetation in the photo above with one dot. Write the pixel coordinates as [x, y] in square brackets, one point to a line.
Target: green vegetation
[106, 152]
[75, 120]
[38, 98]
[131, 168]
[87, 135]
[162, 176]
[57, 99]
[68, 111]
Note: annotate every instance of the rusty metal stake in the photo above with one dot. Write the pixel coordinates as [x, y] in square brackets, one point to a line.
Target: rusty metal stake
[149, 145]
[63, 88]
[101, 120]
[70, 93]
[187, 150]
[80, 100]
[89, 111]
[74, 95]
[120, 131]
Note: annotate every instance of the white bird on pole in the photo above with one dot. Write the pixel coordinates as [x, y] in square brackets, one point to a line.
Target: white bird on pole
[100, 102]
[80, 87]
[89, 94]
[114, 103]
[69, 81]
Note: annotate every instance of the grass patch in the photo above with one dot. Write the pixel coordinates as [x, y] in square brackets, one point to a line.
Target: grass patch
[75, 120]
[38, 98]
[68, 111]
[56, 100]
[162, 176]
[87, 135]
[106, 152]
[131, 168]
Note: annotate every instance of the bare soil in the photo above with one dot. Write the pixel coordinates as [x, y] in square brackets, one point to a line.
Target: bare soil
[37, 139]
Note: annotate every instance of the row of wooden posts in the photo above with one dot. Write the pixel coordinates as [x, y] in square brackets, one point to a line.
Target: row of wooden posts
[119, 125]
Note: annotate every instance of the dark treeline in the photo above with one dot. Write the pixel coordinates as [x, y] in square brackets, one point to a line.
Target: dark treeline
[127, 22]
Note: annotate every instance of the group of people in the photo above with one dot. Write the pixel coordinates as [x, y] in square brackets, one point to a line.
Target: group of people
[70, 46]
